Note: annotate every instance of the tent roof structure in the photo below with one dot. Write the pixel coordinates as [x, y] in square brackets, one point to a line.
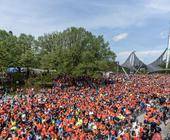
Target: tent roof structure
[156, 65]
[133, 62]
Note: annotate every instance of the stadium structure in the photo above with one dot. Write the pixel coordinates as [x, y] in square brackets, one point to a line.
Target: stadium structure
[162, 63]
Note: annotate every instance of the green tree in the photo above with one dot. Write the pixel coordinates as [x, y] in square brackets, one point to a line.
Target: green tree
[28, 59]
[8, 48]
[76, 51]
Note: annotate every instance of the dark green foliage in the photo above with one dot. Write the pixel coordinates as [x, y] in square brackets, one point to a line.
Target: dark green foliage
[74, 51]
[14, 51]
[164, 65]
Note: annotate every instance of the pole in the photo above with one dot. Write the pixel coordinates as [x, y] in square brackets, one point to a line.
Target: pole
[132, 60]
[168, 52]
[117, 67]
[138, 69]
[125, 72]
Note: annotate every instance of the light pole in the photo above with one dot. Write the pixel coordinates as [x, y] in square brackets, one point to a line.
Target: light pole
[117, 67]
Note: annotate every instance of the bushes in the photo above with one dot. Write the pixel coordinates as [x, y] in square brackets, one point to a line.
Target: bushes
[42, 80]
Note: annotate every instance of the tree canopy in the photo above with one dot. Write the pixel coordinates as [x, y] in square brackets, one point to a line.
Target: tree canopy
[74, 51]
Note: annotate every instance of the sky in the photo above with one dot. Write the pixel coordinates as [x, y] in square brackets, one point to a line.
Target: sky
[128, 25]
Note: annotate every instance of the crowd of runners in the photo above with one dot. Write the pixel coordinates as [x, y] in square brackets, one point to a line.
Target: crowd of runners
[87, 109]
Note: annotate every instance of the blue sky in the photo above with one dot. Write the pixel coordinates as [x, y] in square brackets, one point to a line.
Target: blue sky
[140, 25]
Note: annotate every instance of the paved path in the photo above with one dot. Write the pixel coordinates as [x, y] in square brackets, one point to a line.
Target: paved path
[165, 129]
[140, 118]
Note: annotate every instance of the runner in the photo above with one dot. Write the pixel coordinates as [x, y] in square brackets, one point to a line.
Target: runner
[89, 110]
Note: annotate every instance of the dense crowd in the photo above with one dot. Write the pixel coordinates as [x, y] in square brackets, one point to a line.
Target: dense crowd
[88, 109]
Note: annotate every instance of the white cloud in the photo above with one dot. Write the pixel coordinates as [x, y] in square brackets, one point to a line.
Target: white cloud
[120, 37]
[161, 5]
[125, 53]
[142, 53]
[147, 56]
[164, 34]
[149, 53]
[41, 16]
